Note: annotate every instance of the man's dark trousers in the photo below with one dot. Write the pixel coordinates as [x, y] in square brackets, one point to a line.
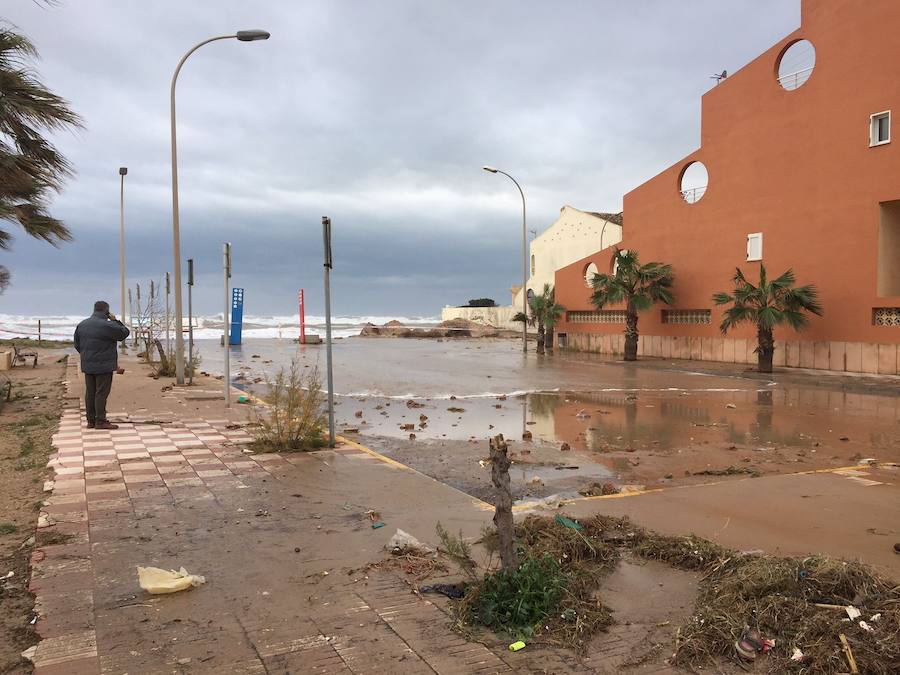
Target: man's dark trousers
[96, 391]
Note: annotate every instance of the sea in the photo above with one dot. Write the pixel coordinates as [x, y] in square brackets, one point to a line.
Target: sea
[209, 327]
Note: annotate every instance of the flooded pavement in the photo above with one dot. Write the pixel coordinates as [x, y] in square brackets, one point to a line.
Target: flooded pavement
[591, 419]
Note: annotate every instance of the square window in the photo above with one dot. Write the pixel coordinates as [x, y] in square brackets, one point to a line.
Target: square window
[754, 246]
[880, 128]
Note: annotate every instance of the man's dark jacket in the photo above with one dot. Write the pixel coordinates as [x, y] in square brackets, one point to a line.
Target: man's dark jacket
[95, 340]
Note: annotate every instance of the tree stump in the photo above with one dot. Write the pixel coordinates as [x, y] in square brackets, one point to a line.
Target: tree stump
[503, 517]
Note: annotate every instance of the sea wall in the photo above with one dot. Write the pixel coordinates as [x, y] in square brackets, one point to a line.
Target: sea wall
[498, 317]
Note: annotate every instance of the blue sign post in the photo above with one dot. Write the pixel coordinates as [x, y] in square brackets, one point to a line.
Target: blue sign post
[237, 315]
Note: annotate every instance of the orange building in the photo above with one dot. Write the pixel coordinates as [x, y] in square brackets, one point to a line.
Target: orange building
[802, 174]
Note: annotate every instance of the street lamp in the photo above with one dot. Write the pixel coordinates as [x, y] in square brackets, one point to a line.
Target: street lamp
[123, 171]
[492, 169]
[243, 36]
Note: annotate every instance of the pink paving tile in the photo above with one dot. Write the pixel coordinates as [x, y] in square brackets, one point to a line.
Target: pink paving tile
[133, 455]
[184, 481]
[98, 462]
[209, 473]
[130, 446]
[169, 458]
[143, 478]
[104, 487]
[130, 467]
[100, 453]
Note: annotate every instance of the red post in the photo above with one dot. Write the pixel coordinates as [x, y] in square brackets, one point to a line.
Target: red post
[302, 318]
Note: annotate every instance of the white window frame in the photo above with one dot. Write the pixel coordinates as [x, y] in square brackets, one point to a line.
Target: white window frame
[873, 128]
[758, 236]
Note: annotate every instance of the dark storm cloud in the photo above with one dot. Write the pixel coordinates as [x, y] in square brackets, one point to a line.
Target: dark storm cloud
[377, 114]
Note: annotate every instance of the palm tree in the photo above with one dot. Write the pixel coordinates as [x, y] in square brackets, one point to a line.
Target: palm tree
[544, 313]
[772, 303]
[552, 314]
[30, 167]
[638, 286]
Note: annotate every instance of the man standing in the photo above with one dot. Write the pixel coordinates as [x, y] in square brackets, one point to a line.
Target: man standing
[95, 340]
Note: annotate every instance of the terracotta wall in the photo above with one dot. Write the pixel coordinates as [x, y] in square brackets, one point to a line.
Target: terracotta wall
[794, 165]
[850, 357]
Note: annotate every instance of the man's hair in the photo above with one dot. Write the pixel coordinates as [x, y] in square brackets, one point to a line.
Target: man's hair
[101, 306]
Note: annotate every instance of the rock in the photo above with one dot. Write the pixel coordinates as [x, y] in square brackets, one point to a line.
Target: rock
[456, 410]
[414, 404]
[564, 447]
[536, 482]
[350, 430]
[502, 397]
[423, 418]
[526, 435]
[412, 437]
[730, 406]
[358, 413]
[407, 427]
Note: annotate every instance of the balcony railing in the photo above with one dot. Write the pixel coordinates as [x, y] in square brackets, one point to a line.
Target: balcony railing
[793, 81]
[692, 195]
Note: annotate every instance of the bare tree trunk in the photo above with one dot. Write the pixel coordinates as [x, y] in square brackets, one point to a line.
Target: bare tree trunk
[163, 362]
[765, 349]
[503, 517]
[631, 333]
[540, 338]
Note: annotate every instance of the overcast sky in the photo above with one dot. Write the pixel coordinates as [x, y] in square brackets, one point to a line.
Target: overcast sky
[379, 114]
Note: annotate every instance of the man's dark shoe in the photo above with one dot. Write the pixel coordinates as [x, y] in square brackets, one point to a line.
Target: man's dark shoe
[91, 425]
[106, 425]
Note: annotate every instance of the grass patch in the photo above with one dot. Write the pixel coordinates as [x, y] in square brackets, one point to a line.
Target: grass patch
[729, 471]
[456, 548]
[8, 528]
[552, 598]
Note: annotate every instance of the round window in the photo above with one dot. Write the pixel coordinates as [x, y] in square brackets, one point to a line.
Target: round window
[694, 179]
[589, 273]
[796, 64]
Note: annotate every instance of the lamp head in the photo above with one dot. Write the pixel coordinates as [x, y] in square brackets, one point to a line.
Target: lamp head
[252, 35]
[490, 169]
[123, 170]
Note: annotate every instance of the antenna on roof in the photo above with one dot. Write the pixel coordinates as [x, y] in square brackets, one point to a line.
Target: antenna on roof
[719, 77]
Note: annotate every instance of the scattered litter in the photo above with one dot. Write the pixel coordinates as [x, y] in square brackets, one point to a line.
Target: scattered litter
[564, 467]
[536, 481]
[844, 438]
[407, 427]
[377, 525]
[403, 542]
[9, 575]
[866, 627]
[852, 612]
[797, 655]
[526, 435]
[516, 646]
[868, 461]
[568, 522]
[158, 581]
[452, 591]
[730, 406]
[597, 490]
[414, 404]
[848, 653]
[456, 410]
[564, 447]
[243, 399]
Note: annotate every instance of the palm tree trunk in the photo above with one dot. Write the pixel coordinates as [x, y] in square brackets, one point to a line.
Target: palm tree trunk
[631, 333]
[765, 349]
[540, 338]
[548, 339]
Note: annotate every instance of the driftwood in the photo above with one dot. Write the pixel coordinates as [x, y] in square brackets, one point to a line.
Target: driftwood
[503, 517]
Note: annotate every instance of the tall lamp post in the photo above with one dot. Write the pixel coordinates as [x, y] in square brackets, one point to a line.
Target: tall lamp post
[123, 170]
[243, 36]
[492, 169]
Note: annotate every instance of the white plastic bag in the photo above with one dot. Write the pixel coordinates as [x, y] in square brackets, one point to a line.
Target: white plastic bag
[403, 542]
[158, 581]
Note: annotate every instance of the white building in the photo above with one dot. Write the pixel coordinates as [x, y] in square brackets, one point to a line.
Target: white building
[574, 235]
